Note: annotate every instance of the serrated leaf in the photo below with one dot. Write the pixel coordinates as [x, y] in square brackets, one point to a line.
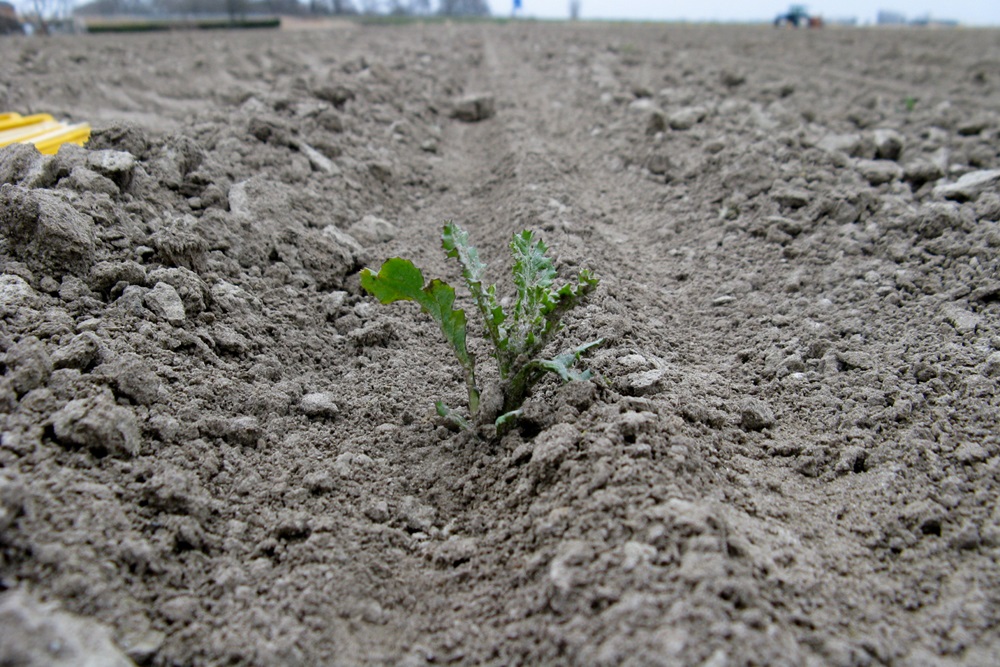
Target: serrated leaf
[533, 275]
[455, 242]
[562, 365]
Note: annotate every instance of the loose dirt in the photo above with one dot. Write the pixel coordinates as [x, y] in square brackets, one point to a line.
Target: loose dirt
[216, 450]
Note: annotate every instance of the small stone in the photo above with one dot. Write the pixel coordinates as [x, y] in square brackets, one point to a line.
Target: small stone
[15, 294]
[293, 525]
[33, 634]
[330, 120]
[970, 127]
[474, 108]
[551, 447]
[82, 179]
[936, 218]
[131, 377]
[377, 511]
[991, 368]
[417, 516]
[790, 197]
[381, 170]
[785, 225]
[165, 303]
[131, 301]
[970, 452]
[338, 95]
[970, 186]
[659, 164]
[80, 352]
[319, 405]
[97, 424]
[193, 291]
[48, 234]
[319, 481]
[229, 340]
[455, 551]
[877, 172]
[841, 143]
[28, 365]
[343, 240]
[106, 275]
[686, 118]
[755, 415]
[656, 122]
[919, 172]
[852, 459]
[642, 105]
[371, 229]
[244, 431]
[889, 144]
[644, 383]
[116, 166]
[963, 320]
[141, 647]
[49, 285]
[851, 360]
[988, 206]
[22, 164]
[318, 161]
[967, 537]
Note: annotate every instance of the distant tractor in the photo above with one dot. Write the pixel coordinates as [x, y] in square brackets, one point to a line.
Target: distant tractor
[9, 25]
[797, 17]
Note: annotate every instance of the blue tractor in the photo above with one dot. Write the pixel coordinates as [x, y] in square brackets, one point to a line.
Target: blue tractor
[797, 17]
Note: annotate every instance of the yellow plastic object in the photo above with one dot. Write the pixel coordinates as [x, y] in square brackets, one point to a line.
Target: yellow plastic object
[42, 130]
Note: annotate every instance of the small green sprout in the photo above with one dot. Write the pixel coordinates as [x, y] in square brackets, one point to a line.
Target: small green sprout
[518, 337]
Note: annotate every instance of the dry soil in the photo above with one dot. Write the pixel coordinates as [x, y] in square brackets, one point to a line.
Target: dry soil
[216, 450]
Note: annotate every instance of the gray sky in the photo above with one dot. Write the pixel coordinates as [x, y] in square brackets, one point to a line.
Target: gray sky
[973, 12]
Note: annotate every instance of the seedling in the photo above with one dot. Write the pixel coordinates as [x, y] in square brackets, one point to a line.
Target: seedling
[518, 336]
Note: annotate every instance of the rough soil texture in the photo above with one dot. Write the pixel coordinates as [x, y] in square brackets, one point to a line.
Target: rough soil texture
[217, 451]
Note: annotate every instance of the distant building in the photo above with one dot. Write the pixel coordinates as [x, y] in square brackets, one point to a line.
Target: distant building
[890, 18]
[9, 24]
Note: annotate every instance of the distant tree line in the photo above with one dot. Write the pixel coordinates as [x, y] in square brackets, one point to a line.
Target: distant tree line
[284, 7]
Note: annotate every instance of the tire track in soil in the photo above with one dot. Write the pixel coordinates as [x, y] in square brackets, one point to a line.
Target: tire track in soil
[515, 172]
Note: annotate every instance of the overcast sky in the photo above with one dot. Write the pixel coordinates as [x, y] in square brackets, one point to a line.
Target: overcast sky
[974, 12]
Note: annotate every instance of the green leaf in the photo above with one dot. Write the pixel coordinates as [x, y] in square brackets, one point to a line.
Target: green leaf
[562, 365]
[400, 280]
[507, 419]
[452, 416]
[533, 275]
[455, 242]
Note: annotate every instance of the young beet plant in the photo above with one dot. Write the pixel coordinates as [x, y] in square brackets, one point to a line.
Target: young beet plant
[518, 336]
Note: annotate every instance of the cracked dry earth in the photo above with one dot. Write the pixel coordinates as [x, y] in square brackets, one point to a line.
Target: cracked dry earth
[216, 450]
